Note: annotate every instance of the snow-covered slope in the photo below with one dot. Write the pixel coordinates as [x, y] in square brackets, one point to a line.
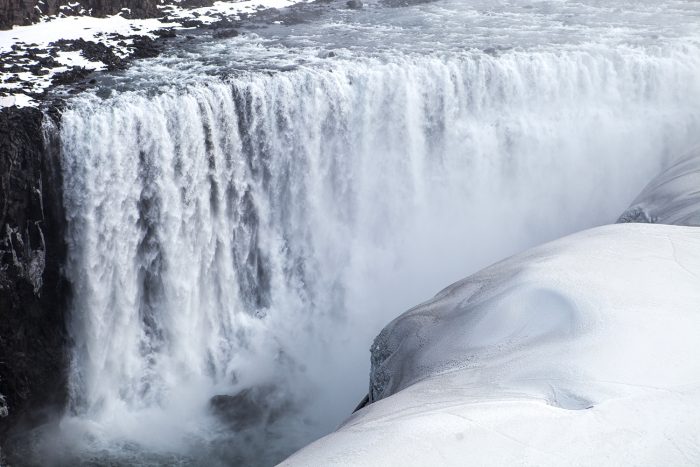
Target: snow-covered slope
[582, 351]
[671, 198]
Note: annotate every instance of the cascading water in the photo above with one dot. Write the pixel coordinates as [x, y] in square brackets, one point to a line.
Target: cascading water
[253, 231]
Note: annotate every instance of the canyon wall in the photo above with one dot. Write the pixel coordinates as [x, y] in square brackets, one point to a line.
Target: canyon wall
[32, 291]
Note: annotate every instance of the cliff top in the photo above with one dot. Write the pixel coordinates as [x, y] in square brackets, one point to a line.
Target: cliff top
[67, 48]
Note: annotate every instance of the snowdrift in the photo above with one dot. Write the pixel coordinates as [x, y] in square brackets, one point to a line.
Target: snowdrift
[583, 351]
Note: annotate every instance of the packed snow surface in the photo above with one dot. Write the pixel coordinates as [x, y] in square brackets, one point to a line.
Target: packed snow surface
[582, 351]
[671, 198]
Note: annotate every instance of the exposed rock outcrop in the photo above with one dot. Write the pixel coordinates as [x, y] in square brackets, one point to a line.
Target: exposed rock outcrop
[249, 407]
[24, 12]
[32, 291]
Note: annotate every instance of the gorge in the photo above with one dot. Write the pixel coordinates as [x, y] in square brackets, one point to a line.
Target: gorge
[224, 229]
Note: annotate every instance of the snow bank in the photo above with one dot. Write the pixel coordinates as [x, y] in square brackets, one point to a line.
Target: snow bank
[582, 351]
[579, 352]
[671, 198]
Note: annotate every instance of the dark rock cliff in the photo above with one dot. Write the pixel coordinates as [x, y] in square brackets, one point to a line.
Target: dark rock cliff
[33, 293]
[23, 12]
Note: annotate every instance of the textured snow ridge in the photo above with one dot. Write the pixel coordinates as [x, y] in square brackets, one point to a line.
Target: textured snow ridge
[582, 351]
[671, 198]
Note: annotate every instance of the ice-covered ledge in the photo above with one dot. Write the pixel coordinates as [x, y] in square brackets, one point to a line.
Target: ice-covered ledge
[582, 351]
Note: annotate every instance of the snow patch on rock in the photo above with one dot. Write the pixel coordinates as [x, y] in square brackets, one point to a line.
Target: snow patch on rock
[19, 45]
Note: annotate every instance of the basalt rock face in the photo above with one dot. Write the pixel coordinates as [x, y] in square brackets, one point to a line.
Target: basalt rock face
[32, 291]
[23, 12]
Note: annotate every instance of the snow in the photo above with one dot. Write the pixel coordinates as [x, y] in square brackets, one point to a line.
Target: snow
[22, 100]
[7, 101]
[90, 28]
[582, 351]
[671, 198]
[77, 27]
[19, 99]
[579, 352]
[40, 35]
[227, 9]
[74, 58]
[51, 29]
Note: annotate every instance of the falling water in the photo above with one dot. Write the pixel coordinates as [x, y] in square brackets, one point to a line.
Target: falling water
[254, 230]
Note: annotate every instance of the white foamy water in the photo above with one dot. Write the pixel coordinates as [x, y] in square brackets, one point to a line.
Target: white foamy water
[257, 228]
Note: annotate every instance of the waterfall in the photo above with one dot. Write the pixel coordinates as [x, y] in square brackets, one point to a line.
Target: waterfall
[257, 230]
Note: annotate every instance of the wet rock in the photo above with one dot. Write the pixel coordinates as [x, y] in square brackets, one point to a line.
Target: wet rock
[39, 71]
[48, 62]
[144, 47]
[224, 23]
[249, 407]
[93, 51]
[165, 33]
[191, 23]
[403, 3]
[195, 3]
[225, 33]
[32, 290]
[70, 76]
[354, 4]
